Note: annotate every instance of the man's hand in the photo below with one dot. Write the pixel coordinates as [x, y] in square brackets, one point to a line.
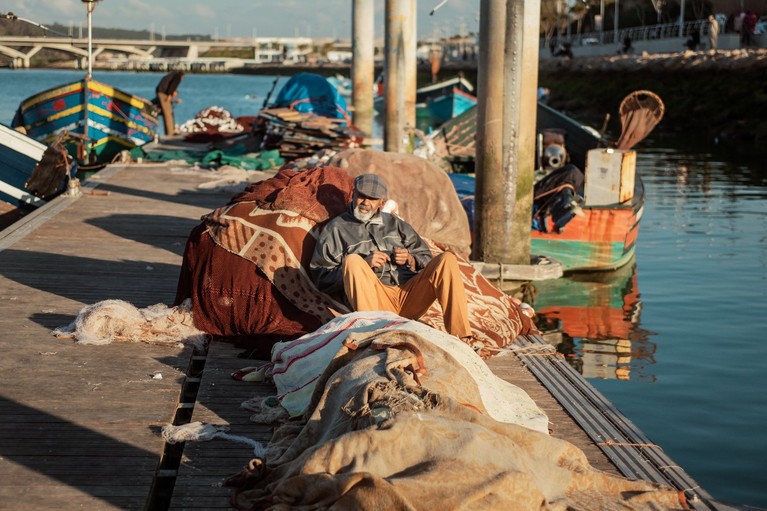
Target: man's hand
[377, 259]
[402, 257]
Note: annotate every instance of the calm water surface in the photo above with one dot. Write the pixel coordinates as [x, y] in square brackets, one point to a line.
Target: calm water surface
[675, 340]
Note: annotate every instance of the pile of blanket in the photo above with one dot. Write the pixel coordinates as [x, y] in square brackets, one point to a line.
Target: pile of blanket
[246, 265]
[402, 417]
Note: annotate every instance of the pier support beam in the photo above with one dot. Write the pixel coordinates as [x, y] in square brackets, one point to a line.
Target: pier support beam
[492, 218]
[520, 111]
[506, 115]
[397, 12]
[363, 63]
[411, 64]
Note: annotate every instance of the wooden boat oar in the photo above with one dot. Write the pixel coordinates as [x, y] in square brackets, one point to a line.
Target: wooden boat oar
[640, 112]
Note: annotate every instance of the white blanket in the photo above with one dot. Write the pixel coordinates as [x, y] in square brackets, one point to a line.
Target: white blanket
[299, 363]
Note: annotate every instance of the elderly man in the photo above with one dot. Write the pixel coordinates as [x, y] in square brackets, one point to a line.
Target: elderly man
[381, 263]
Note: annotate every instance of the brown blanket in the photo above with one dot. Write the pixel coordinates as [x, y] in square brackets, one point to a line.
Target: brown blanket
[246, 266]
[396, 423]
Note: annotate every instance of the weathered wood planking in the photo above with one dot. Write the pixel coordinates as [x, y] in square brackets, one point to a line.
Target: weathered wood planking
[206, 465]
[81, 424]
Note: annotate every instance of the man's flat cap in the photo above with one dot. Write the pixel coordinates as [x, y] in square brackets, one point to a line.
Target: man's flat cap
[371, 185]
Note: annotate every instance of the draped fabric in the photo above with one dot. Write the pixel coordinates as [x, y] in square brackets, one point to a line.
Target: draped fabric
[246, 266]
[397, 423]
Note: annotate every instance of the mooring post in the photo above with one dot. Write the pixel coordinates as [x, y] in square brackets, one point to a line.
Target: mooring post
[490, 222]
[520, 112]
[363, 63]
[397, 12]
[411, 64]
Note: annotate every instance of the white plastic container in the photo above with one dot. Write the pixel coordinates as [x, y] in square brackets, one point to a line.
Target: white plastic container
[610, 175]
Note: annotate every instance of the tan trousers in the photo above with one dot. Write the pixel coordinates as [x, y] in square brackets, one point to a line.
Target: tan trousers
[440, 280]
[166, 107]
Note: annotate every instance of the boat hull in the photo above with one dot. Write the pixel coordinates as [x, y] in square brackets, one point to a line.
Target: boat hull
[603, 238]
[449, 104]
[102, 120]
[18, 156]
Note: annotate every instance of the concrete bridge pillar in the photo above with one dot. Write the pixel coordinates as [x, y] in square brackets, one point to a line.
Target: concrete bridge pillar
[193, 52]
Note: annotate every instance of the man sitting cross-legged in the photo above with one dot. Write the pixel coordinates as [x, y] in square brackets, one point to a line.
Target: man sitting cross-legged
[381, 263]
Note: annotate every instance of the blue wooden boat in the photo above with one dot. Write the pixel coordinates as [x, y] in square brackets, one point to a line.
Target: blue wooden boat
[18, 156]
[445, 92]
[99, 120]
[449, 104]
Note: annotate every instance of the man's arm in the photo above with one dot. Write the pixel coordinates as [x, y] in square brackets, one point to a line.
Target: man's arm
[325, 267]
[416, 246]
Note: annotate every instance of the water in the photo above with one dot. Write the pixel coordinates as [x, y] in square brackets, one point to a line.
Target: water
[673, 340]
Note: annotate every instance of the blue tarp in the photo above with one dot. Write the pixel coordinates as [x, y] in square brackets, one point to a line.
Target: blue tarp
[309, 92]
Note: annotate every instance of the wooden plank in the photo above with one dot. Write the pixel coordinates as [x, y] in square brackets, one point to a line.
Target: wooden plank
[81, 423]
[207, 465]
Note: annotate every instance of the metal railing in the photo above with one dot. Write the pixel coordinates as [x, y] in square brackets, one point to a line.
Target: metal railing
[645, 33]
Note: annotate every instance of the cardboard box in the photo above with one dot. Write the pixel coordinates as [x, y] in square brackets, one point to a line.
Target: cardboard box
[610, 175]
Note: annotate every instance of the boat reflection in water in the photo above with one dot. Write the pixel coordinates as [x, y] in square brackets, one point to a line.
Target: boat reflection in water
[593, 320]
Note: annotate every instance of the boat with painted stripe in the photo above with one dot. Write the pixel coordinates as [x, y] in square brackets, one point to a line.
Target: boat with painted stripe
[603, 238]
[449, 104]
[100, 120]
[18, 156]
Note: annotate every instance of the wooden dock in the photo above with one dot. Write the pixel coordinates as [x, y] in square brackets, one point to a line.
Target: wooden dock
[82, 423]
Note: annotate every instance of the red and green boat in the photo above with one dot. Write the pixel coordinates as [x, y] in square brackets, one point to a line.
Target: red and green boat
[602, 238]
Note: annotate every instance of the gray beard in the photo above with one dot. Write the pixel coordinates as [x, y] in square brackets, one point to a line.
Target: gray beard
[362, 217]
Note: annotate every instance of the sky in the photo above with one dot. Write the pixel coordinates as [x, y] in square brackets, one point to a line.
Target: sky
[242, 18]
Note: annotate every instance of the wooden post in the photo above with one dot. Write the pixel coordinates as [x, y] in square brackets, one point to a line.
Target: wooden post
[363, 64]
[491, 222]
[394, 74]
[520, 109]
[411, 64]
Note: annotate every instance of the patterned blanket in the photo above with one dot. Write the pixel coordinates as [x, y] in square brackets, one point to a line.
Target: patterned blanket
[268, 234]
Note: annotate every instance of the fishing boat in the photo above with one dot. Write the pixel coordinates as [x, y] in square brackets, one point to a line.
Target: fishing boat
[98, 119]
[18, 156]
[449, 104]
[449, 98]
[603, 233]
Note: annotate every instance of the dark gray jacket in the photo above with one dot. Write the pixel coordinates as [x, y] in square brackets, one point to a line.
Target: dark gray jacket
[345, 235]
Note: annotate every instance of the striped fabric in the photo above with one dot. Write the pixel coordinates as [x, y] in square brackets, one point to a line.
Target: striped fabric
[298, 364]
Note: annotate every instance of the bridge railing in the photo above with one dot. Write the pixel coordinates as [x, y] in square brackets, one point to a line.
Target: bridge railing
[645, 33]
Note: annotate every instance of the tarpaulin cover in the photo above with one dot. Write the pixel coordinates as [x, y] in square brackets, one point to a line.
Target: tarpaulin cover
[309, 92]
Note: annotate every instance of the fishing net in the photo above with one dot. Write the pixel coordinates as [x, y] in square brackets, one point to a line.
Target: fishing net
[117, 320]
[640, 112]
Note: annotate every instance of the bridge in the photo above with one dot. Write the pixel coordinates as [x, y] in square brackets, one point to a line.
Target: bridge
[160, 55]
[19, 50]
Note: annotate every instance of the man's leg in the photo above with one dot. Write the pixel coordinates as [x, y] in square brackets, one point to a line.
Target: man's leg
[440, 280]
[363, 289]
[167, 113]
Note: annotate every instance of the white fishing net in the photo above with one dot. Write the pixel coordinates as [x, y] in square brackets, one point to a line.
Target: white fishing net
[200, 432]
[118, 320]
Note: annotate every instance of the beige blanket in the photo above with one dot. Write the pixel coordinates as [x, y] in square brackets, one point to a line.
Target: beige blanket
[395, 423]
